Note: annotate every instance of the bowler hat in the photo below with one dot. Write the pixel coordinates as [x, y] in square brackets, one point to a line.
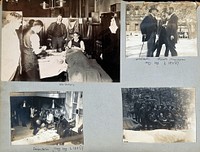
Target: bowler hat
[153, 8]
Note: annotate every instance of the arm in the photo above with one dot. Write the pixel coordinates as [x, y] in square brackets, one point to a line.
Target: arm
[64, 31]
[49, 30]
[82, 46]
[35, 43]
[172, 25]
[69, 45]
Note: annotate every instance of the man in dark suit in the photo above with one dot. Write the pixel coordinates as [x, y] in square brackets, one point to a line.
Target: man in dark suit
[57, 32]
[162, 34]
[172, 35]
[148, 28]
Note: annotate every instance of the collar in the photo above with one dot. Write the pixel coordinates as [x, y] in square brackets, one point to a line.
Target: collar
[152, 15]
[171, 14]
[59, 23]
[113, 29]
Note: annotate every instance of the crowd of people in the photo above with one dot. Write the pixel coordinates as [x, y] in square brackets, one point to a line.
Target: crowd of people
[158, 116]
[160, 31]
[24, 66]
[43, 118]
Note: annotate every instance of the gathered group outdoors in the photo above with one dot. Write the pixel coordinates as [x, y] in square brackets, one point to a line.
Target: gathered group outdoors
[161, 30]
[158, 115]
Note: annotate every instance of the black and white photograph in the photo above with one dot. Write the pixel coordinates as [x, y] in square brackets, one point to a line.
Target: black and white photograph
[159, 115]
[46, 118]
[161, 29]
[61, 40]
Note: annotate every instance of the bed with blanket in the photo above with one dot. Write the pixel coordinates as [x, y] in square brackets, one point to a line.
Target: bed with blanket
[82, 69]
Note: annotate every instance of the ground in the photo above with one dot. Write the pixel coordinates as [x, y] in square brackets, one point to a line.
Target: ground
[24, 136]
[159, 136]
[184, 47]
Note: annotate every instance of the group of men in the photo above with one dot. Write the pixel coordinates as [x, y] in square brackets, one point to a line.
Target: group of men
[157, 116]
[50, 118]
[158, 32]
[40, 118]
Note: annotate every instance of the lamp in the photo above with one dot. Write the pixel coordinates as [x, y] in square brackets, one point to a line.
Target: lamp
[53, 4]
[12, 1]
[53, 104]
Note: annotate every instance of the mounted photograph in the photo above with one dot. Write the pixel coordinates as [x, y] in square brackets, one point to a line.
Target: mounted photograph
[60, 40]
[161, 29]
[46, 118]
[159, 115]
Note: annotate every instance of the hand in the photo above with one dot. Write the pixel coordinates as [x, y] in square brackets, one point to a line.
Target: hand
[172, 37]
[75, 47]
[144, 36]
[44, 47]
[157, 37]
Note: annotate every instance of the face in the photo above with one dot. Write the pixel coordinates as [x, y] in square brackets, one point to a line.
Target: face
[38, 28]
[59, 19]
[154, 12]
[164, 15]
[76, 36]
[171, 11]
[16, 23]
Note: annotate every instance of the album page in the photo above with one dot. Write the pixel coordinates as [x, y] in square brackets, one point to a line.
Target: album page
[103, 75]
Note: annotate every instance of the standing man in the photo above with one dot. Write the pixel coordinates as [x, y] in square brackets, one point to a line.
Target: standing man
[57, 32]
[137, 106]
[148, 28]
[10, 48]
[31, 47]
[172, 35]
[24, 114]
[162, 33]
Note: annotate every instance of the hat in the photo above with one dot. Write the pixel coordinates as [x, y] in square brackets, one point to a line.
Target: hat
[147, 96]
[70, 120]
[153, 8]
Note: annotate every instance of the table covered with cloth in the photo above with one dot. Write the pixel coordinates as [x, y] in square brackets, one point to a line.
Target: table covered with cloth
[82, 69]
[52, 64]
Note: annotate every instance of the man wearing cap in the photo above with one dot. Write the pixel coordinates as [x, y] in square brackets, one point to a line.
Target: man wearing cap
[148, 28]
[172, 35]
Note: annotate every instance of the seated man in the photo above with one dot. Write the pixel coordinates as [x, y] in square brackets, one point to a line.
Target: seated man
[162, 120]
[64, 127]
[77, 43]
[36, 126]
[50, 118]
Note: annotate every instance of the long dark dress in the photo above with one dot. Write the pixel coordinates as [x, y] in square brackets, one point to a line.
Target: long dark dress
[111, 53]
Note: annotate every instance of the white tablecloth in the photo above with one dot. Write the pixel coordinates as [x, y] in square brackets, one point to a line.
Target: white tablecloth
[52, 65]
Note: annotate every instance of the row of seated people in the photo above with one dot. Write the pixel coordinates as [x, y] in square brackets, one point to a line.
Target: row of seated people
[159, 116]
[53, 118]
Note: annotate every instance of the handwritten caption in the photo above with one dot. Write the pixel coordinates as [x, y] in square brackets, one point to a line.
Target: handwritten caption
[162, 61]
[58, 149]
[66, 84]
